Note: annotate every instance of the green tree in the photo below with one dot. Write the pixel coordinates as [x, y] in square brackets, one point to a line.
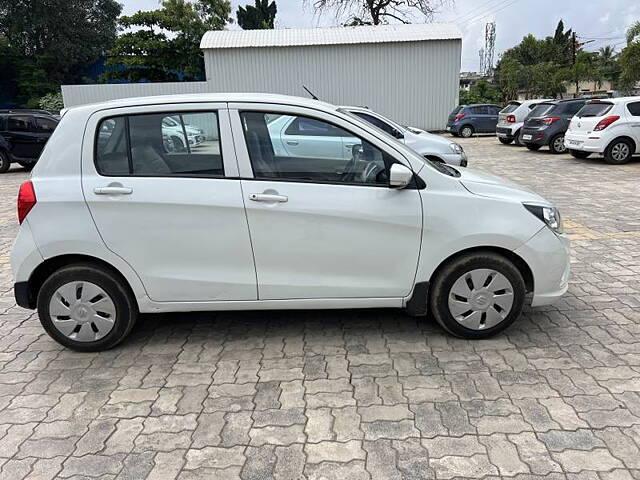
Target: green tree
[46, 43]
[164, 44]
[630, 60]
[259, 17]
[608, 64]
[481, 92]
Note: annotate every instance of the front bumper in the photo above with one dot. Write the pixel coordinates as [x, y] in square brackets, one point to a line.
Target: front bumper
[548, 256]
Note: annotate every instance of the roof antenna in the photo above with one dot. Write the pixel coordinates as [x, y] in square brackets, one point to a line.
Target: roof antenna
[310, 93]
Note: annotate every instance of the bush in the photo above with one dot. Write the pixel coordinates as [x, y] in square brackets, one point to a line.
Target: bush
[51, 101]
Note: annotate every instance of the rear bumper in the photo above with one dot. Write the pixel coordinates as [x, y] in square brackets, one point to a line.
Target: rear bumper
[508, 131]
[538, 137]
[583, 143]
[453, 128]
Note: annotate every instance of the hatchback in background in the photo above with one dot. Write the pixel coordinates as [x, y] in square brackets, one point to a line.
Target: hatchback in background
[23, 135]
[430, 146]
[511, 119]
[610, 127]
[466, 120]
[547, 124]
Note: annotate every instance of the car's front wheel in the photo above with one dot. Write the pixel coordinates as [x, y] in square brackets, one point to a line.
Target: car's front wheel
[477, 295]
[86, 308]
[579, 154]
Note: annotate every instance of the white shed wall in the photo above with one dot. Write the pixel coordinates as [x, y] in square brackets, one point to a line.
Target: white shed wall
[414, 83]
[82, 94]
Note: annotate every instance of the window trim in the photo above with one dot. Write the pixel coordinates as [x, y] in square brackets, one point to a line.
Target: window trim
[127, 116]
[317, 182]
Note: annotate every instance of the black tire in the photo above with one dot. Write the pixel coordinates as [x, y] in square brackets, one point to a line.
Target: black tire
[466, 131]
[454, 270]
[556, 144]
[613, 154]
[125, 305]
[178, 144]
[533, 147]
[505, 141]
[579, 154]
[28, 166]
[516, 140]
[5, 163]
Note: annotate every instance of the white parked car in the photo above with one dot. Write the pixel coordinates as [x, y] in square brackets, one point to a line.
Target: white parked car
[511, 119]
[429, 145]
[113, 224]
[609, 126]
[179, 135]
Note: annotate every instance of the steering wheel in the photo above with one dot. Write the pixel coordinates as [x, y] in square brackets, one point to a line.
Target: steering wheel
[371, 172]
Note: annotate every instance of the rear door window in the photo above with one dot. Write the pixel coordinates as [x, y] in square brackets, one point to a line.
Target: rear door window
[480, 110]
[385, 127]
[45, 125]
[19, 124]
[634, 109]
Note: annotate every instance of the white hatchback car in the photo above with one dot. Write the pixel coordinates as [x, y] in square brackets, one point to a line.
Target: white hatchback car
[609, 126]
[111, 227]
[511, 120]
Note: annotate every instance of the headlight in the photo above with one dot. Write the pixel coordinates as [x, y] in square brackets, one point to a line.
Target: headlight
[549, 215]
[455, 148]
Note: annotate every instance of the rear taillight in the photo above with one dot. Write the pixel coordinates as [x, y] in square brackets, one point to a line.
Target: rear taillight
[460, 116]
[605, 122]
[550, 120]
[26, 200]
[511, 119]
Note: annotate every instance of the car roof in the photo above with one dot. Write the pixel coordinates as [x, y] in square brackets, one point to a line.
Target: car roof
[208, 98]
[481, 105]
[615, 100]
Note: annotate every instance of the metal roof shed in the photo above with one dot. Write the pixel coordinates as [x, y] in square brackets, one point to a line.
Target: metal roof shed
[407, 72]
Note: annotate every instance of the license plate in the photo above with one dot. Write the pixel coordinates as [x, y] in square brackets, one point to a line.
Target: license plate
[501, 134]
[527, 137]
[575, 142]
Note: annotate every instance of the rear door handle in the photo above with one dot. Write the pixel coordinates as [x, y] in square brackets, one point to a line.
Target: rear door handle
[113, 191]
[292, 142]
[268, 197]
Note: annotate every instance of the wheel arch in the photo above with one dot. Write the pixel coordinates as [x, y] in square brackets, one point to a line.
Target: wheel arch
[623, 137]
[50, 265]
[520, 264]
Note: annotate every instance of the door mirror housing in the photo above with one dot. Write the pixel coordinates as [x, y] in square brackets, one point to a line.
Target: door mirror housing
[399, 176]
[398, 134]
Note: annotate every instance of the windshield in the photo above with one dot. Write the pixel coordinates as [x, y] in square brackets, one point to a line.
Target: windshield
[512, 107]
[597, 109]
[541, 110]
[441, 167]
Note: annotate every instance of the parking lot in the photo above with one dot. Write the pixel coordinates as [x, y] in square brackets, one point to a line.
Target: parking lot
[351, 394]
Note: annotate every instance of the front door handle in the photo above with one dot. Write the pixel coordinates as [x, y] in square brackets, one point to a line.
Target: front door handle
[113, 190]
[292, 142]
[268, 197]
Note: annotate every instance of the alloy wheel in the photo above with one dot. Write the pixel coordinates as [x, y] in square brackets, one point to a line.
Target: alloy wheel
[481, 299]
[558, 145]
[82, 311]
[620, 152]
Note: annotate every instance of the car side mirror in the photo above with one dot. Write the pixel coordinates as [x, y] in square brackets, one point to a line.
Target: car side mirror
[397, 134]
[399, 176]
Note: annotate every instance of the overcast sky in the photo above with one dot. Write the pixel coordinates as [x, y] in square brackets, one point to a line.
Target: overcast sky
[603, 21]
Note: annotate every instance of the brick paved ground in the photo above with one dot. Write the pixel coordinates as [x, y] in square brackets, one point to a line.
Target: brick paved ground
[350, 395]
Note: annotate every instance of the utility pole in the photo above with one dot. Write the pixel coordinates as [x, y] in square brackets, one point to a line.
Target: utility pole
[574, 55]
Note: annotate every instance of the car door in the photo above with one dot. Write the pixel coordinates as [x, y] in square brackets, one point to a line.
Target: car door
[342, 234]
[633, 112]
[175, 214]
[492, 120]
[23, 141]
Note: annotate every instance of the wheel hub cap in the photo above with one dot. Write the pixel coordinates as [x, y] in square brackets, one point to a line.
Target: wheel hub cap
[481, 299]
[82, 311]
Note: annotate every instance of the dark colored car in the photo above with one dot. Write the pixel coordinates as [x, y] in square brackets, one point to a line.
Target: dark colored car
[548, 122]
[23, 135]
[466, 120]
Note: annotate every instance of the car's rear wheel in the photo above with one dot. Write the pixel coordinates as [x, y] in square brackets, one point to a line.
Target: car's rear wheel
[505, 141]
[477, 295]
[4, 162]
[516, 139]
[466, 131]
[86, 308]
[556, 145]
[533, 147]
[619, 152]
[579, 154]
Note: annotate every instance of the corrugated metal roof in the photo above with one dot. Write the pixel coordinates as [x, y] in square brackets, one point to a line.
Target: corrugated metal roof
[330, 36]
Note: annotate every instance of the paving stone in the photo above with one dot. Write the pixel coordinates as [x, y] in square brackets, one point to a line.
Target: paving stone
[578, 460]
[334, 451]
[474, 466]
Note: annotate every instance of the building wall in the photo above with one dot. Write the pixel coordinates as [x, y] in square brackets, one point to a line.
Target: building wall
[82, 94]
[414, 83]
